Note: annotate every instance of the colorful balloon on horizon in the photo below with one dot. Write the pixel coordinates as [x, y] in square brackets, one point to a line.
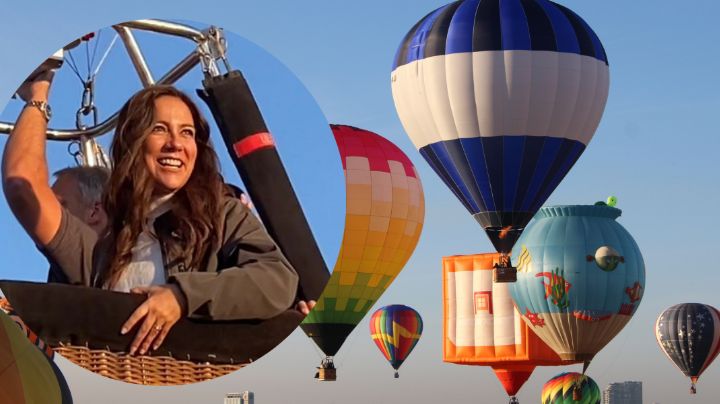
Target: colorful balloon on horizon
[501, 97]
[27, 375]
[483, 328]
[384, 219]
[581, 277]
[570, 388]
[396, 329]
[689, 335]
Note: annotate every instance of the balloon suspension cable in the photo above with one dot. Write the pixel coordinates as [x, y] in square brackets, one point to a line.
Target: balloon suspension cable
[211, 49]
[104, 56]
[71, 59]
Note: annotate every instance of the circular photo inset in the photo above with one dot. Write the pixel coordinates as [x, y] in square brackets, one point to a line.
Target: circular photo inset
[174, 196]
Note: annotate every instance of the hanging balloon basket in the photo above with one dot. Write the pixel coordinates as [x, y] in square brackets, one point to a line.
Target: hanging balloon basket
[326, 375]
[326, 371]
[504, 274]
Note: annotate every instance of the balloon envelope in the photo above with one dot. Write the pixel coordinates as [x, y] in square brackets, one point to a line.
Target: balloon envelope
[689, 334]
[384, 218]
[580, 278]
[482, 327]
[396, 329]
[27, 375]
[501, 97]
[570, 388]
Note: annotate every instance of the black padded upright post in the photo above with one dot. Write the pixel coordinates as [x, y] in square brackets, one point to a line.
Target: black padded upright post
[253, 151]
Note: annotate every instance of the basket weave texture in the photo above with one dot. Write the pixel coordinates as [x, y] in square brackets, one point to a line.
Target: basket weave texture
[143, 369]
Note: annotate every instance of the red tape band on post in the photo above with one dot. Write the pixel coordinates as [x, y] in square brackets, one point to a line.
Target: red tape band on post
[252, 143]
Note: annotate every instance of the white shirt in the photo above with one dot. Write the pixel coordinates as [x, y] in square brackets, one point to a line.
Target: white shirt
[147, 267]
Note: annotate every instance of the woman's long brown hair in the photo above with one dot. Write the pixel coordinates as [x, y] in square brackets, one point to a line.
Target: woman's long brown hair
[197, 206]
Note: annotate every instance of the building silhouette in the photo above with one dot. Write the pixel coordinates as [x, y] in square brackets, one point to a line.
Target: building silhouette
[623, 393]
[246, 397]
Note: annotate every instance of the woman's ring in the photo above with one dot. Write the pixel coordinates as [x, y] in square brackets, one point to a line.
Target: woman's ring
[158, 327]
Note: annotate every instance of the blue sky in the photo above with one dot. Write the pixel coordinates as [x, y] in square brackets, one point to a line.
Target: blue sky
[655, 149]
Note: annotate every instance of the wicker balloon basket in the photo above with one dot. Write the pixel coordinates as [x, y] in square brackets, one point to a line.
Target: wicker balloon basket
[143, 369]
[137, 369]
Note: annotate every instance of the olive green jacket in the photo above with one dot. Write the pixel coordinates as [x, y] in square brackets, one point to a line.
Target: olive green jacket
[246, 276]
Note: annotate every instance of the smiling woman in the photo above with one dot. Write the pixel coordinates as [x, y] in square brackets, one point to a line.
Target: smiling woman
[170, 148]
[176, 234]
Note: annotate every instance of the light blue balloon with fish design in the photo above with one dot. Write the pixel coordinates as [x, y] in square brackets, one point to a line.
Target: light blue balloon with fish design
[581, 277]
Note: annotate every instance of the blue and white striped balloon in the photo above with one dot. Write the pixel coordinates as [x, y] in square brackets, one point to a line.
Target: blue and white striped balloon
[501, 97]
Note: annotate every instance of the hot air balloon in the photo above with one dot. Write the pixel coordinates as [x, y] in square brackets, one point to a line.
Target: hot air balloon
[27, 375]
[580, 278]
[384, 218]
[570, 388]
[501, 97]
[689, 334]
[396, 329]
[481, 326]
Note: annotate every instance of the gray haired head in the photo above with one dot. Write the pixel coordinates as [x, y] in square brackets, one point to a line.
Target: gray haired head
[91, 182]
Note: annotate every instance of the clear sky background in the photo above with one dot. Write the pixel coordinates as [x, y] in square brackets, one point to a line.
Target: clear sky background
[656, 149]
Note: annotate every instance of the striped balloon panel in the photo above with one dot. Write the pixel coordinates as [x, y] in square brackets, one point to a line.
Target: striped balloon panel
[689, 334]
[565, 297]
[26, 374]
[501, 93]
[561, 389]
[513, 174]
[490, 25]
[481, 325]
[396, 329]
[384, 218]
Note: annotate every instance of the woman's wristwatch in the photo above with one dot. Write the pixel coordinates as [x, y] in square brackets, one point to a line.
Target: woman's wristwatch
[43, 106]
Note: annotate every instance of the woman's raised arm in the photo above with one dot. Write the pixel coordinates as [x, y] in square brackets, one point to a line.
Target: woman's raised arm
[25, 177]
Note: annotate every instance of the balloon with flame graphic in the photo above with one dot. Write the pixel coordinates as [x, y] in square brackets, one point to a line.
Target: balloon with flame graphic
[396, 329]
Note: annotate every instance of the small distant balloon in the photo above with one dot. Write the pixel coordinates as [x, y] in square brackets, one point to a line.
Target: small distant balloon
[570, 388]
[396, 329]
[689, 334]
[612, 201]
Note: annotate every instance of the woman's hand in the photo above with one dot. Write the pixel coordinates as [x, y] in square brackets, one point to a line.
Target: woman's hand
[38, 87]
[305, 307]
[164, 306]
